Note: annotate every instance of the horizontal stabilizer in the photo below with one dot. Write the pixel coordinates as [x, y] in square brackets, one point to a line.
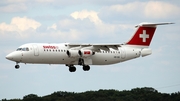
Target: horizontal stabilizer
[153, 24]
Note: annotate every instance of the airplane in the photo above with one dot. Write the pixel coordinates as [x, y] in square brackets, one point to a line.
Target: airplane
[85, 54]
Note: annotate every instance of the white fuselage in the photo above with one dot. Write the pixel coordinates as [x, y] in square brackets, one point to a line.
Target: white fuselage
[42, 53]
[83, 54]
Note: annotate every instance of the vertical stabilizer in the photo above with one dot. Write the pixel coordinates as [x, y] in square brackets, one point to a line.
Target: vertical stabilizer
[144, 34]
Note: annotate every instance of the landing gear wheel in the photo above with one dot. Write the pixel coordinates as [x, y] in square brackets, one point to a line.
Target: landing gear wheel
[86, 67]
[72, 68]
[17, 66]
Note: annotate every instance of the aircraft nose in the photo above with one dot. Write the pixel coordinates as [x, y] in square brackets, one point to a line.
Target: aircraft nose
[9, 57]
[14, 56]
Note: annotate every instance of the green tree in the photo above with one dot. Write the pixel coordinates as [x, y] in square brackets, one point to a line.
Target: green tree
[31, 97]
[136, 94]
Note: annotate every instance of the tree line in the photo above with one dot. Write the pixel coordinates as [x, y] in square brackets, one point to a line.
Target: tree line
[136, 94]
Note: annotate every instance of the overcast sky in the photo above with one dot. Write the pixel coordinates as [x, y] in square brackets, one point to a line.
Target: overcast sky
[93, 21]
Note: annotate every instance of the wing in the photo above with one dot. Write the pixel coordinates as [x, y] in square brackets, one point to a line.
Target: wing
[93, 47]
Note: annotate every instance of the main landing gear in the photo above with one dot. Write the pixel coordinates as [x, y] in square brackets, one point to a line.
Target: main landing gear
[86, 67]
[72, 68]
[17, 66]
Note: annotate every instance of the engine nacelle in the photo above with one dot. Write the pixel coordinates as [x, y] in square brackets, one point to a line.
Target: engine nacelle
[86, 53]
[145, 52]
[72, 53]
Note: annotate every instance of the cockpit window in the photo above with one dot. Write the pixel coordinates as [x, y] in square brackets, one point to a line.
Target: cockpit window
[23, 49]
[19, 49]
[27, 49]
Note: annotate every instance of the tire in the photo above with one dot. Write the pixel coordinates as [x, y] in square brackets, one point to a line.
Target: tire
[17, 66]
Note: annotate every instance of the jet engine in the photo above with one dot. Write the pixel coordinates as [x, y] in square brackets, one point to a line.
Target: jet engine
[79, 53]
[72, 53]
[86, 53]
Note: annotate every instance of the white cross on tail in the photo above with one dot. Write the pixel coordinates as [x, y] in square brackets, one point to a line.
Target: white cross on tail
[144, 36]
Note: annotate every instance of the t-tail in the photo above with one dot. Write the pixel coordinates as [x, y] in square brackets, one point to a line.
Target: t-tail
[144, 34]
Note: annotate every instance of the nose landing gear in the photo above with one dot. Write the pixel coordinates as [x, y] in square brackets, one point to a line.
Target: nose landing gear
[17, 66]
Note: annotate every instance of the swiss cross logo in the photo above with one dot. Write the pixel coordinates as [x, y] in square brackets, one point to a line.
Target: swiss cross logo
[144, 36]
[87, 52]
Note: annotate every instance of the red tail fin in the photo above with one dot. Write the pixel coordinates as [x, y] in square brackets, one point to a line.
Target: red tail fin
[144, 34]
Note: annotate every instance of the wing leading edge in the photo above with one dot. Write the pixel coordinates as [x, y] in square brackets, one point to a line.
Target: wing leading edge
[94, 47]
